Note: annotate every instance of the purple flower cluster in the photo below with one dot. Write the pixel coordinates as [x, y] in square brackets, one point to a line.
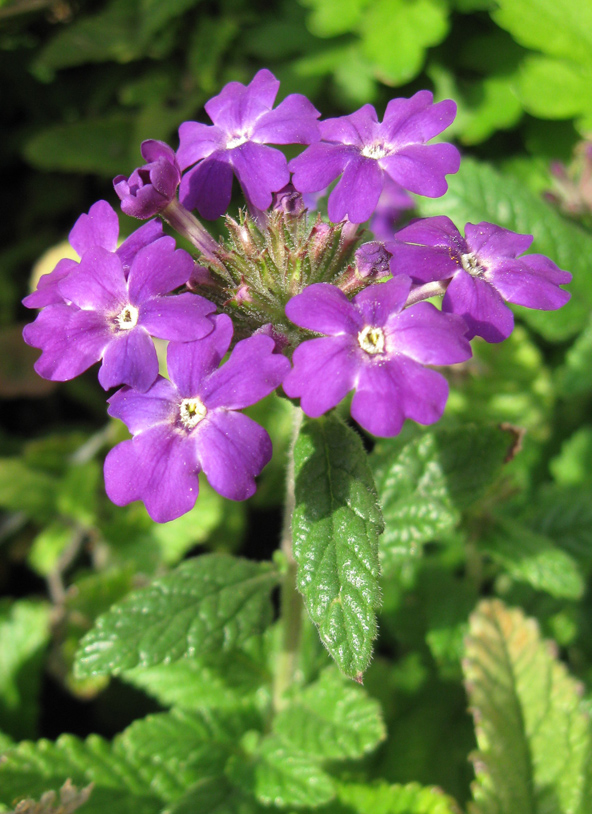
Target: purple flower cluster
[374, 335]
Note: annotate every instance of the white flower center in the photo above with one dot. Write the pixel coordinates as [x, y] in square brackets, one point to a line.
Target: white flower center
[237, 140]
[127, 318]
[191, 412]
[375, 151]
[470, 263]
[371, 340]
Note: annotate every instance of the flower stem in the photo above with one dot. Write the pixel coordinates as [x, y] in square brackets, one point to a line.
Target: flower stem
[290, 600]
[188, 225]
[424, 292]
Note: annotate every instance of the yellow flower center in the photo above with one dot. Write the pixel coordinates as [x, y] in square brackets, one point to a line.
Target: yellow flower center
[192, 411]
[371, 340]
[127, 318]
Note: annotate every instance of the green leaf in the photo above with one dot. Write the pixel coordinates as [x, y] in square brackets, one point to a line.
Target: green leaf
[281, 776]
[24, 635]
[48, 545]
[217, 681]
[554, 88]
[533, 558]
[573, 465]
[335, 526]
[396, 799]
[329, 19]
[93, 145]
[30, 769]
[479, 193]
[425, 484]
[217, 796]
[413, 26]
[575, 375]
[560, 28]
[26, 490]
[207, 604]
[564, 513]
[532, 733]
[331, 719]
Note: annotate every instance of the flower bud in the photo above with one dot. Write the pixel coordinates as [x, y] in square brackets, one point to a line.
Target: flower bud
[151, 188]
[289, 201]
[372, 260]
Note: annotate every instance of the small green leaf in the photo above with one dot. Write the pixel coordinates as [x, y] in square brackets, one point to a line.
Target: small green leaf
[331, 719]
[573, 465]
[533, 558]
[207, 604]
[479, 193]
[396, 799]
[217, 796]
[575, 375]
[281, 776]
[48, 545]
[554, 88]
[26, 489]
[335, 525]
[564, 513]
[425, 485]
[413, 26]
[24, 635]
[532, 732]
[329, 19]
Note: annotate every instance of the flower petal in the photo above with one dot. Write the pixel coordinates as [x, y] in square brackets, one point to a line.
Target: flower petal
[160, 468]
[129, 358]
[198, 141]
[292, 122]
[208, 186]
[377, 404]
[180, 317]
[232, 450]
[421, 168]
[47, 292]
[319, 165]
[357, 192]
[98, 284]
[252, 372]
[146, 234]
[324, 371]
[429, 336]
[416, 120]
[426, 392]
[190, 362]
[358, 129]
[140, 411]
[237, 107]
[158, 269]
[480, 305]
[260, 170]
[490, 242]
[99, 228]
[378, 303]
[324, 308]
[427, 249]
[530, 281]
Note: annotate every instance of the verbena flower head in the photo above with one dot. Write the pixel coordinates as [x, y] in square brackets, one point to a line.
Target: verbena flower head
[110, 316]
[373, 346]
[243, 124]
[484, 269]
[150, 188]
[100, 227]
[364, 151]
[191, 424]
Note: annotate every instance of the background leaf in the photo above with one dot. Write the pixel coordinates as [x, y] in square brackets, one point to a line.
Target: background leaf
[335, 526]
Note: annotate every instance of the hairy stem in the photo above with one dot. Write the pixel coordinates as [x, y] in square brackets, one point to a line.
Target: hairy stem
[290, 600]
[424, 292]
[188, 225]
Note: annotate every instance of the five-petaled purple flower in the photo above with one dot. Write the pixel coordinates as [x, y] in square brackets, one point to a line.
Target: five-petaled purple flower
[484, 271]
[150, 188]
[191, 424]
[106, 314]
[362, 150]
[373, 346]
[100, 227]
[244, 123]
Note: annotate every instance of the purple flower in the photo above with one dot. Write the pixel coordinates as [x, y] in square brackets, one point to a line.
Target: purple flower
[364, 151]
[150, 188]
[372, 260]
[373, 346]
[106, 314]
[190, 424]
[100, 227]
[244, 123]
[392, 203]
[484, 270]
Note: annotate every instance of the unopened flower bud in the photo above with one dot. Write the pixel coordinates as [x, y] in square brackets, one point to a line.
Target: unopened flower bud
[151, 188]
[372, 260]
[289, 201]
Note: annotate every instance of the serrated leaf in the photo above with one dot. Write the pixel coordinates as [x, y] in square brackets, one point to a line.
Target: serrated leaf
[335, 527]
[425, 484]
[565, 515]
[24, 635]
[30, 769]
[532, 733]
[281, 776]
[479, 193]
[331, 719]
[533, 558]
[413, 26]
[395, 799]
[217, 796]
[207, 604]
